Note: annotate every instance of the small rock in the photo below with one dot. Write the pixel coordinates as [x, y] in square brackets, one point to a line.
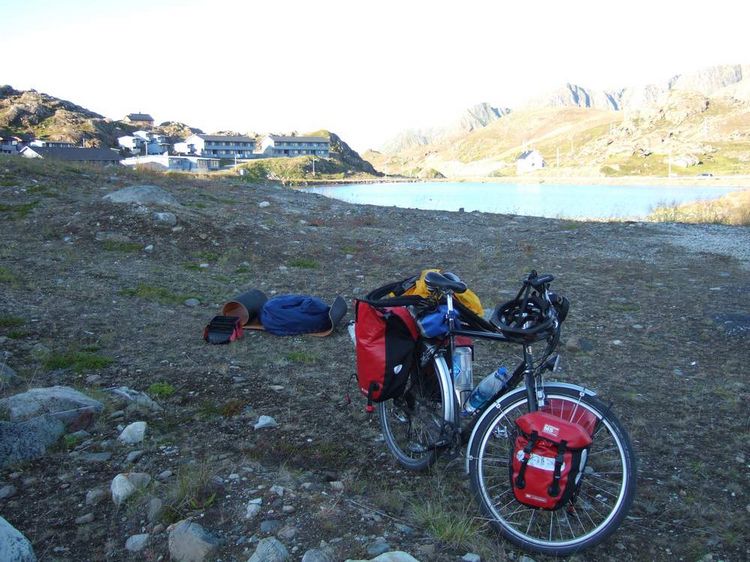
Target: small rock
[134, 456]
[471, 557]
[133, 433]
[95, 496]
[125, 485]
[189, 542]
[169, 219]
[269, 550]
[288, 532]
[7, 492]
[266, 422]
[191, 303]
[148, 249]
[617, 342]
[264, 204]
[278, 490]
[525, 558]
[378, 547]
[318, 555]
[270, 526]
[337, 485]
[94, 379]
[13, 545]
[164, 475]
[155, 509]
[252, 511]
[393, 556]
[95, 457]
[576, 344]
[8, 376]
[288, 509]
[136, 543]
[85, 519]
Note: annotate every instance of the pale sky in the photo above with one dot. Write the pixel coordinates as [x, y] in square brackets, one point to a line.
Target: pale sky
[362, 69]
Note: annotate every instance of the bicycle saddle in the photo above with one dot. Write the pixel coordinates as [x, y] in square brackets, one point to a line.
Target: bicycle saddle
[435, 280]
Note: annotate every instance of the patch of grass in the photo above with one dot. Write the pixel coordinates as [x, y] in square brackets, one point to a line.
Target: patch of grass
[154, 293]
[304, 263]
[453, 525]
[304, 357]
[19, 211]
[160, 390]
[7, 276]
[233, 407]
[208, 409]
[207, 256]
[79, 361]
[732, 209]
[120, 246]
[7, 321]
[190, 490]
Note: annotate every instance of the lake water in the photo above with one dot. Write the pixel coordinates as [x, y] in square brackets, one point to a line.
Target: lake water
[541, 200]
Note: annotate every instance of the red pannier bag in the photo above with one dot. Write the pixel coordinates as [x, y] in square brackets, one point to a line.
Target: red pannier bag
[548, 460]
[386, 343]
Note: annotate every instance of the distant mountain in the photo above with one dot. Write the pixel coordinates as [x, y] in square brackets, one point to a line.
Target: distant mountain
[693, 123]
[475, 117]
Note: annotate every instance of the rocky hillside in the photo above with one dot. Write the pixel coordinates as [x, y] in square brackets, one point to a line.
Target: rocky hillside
[123, 435]
[698, 122]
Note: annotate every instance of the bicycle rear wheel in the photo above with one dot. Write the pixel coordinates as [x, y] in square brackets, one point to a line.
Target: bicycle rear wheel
[413, 425]
[607, 487]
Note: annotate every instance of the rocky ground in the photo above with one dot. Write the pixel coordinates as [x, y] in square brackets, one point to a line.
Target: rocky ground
[97, 296]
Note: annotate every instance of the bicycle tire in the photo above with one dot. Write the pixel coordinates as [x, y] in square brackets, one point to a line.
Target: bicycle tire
[413, 424]
[607, 488]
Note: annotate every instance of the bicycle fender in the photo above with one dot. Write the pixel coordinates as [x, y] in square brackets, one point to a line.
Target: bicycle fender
[518, 390]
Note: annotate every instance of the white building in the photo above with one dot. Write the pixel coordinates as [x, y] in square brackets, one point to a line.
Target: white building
[165, 162]
[275, 145]
[42, 143]
[101, 156]
[10, 145]
[528, 161]
[145, 143]
[217, 146]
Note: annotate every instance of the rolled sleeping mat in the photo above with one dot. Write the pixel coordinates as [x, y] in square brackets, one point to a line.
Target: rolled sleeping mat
[247, 307]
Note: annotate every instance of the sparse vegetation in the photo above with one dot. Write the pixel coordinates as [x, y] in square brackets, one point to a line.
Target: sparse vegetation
[304, 263]
[79, 361]
[121, 246]
[161, 390]
[732, 209]
[155, 293]
[7, 321]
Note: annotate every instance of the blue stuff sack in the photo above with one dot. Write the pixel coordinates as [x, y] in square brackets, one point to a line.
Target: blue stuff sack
[434, 324]
[289, 315]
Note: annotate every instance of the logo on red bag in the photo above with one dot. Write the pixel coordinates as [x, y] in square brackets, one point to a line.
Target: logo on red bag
[551, 430]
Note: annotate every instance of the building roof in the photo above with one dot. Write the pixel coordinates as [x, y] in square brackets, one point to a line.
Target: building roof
[76, 154]
[224, 138]
[528, 153]
[279, 138]
[139, 117]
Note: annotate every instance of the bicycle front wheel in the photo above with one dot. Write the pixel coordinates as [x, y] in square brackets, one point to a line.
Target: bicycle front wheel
[606, 490]
[414, 424]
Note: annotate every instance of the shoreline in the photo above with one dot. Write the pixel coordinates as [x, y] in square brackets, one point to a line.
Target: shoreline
[724, 182]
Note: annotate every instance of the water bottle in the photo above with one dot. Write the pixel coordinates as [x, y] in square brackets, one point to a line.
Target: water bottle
[463, 374]
[490, 385]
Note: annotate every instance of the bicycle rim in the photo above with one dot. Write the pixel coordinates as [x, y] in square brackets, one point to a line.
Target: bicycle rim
[606, 490]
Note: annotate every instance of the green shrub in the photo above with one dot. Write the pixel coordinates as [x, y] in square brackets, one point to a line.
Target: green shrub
[160, 390]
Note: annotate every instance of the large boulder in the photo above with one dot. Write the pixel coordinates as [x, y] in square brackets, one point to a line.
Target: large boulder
[143, 195]
[72, 408]
[14, 547]
[28, 440]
